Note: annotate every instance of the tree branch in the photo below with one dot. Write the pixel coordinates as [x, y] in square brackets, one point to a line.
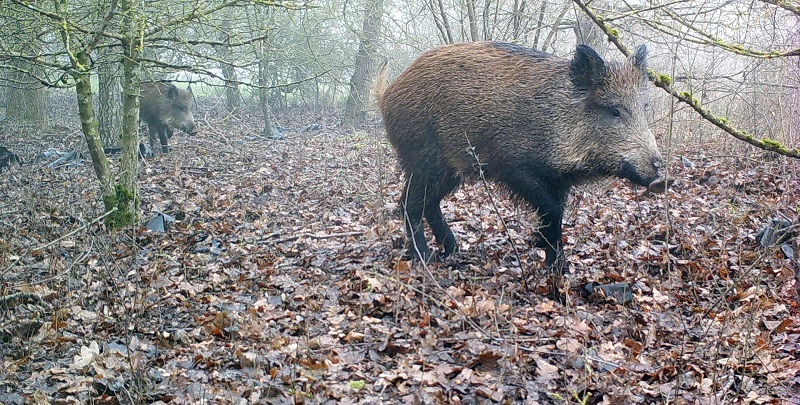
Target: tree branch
[664, 82]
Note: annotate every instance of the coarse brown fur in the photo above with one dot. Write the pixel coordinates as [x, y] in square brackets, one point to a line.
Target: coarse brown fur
[166, 108]
[534, 122]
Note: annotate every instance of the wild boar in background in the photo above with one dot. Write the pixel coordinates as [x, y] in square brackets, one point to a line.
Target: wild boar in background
[534, 122]
[166, 108]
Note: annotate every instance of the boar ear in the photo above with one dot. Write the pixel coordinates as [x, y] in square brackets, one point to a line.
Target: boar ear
[172, 93]
[587, 68]
[639, 57]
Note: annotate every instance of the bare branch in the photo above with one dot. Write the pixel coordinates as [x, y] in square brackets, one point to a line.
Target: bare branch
[664, 82]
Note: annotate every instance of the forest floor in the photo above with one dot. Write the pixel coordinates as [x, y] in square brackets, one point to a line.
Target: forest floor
[282, 280]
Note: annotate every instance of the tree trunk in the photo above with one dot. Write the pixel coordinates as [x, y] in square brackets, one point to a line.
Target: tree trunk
[83, 90]
[587, 33]
[263, 90]
[358, 98]
[109, 115]
[519, 13]
[539, 26]
[81, 72]
[473, 20]
[555, 25]
[126, 198]
[233, 96]
[25, 96]
[440, 19]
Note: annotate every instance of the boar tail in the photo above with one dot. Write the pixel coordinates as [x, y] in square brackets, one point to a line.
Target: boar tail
[381, 83]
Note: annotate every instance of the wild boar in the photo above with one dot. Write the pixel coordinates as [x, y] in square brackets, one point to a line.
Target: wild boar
[536, 123]
[166, 108]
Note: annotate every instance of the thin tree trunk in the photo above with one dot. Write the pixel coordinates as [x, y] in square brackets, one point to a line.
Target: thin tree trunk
[25, 95]
[127, 192]
[358, 98]
[89, 125]
[539, 26]
[81, 62]
[437, 21]
[473, 20]
[263, 90]
[233, 96]
[554, 27]
[488, 25]
[440, 19]
[109, 115]
[589, 34]
[519, 12]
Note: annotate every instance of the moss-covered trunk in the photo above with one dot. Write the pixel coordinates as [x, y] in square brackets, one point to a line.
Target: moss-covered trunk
[119, 200]
[127, 190]
[83, 90]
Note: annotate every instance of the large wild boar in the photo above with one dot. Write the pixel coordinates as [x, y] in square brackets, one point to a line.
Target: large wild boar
[534, 122]
[166, 108]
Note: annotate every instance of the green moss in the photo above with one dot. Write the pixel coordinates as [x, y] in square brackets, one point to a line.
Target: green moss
[664, 78]
[124, 215]
[775, 145]
[721, 119]
[688, 96]
[356, 384]
[613, 32]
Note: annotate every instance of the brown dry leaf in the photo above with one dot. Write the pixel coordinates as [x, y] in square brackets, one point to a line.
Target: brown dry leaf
[545, 370]
[569, 345]
[636, 347]
[488, 359]
[464, 377]
[354, 337]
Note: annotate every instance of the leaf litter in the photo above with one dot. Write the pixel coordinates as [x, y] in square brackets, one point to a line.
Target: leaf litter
[282, 280]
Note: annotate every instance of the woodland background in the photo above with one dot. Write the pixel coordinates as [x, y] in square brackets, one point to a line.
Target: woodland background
[279, 276]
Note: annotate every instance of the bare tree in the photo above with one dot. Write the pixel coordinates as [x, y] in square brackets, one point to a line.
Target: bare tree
[358, 97]
[233, 96]
[687, 26]
[24, 96]
[109, 96]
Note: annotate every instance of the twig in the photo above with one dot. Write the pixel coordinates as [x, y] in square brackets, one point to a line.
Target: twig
[53, 242]
[522, 267]
[314, 236]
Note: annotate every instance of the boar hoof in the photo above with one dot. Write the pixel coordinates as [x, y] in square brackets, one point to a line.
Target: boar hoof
[422, 254]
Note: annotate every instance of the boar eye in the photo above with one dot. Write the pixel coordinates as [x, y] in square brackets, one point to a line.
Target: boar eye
[614, 111]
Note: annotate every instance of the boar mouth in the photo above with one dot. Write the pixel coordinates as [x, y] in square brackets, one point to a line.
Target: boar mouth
[191, 130]
[655, 182]
[660, 185]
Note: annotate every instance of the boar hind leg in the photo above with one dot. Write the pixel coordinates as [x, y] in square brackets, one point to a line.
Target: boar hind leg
[423, 196]
[433, 214]
[414, 200]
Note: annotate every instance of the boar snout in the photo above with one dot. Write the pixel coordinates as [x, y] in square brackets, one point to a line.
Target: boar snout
[647, 174]
[189, 129]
